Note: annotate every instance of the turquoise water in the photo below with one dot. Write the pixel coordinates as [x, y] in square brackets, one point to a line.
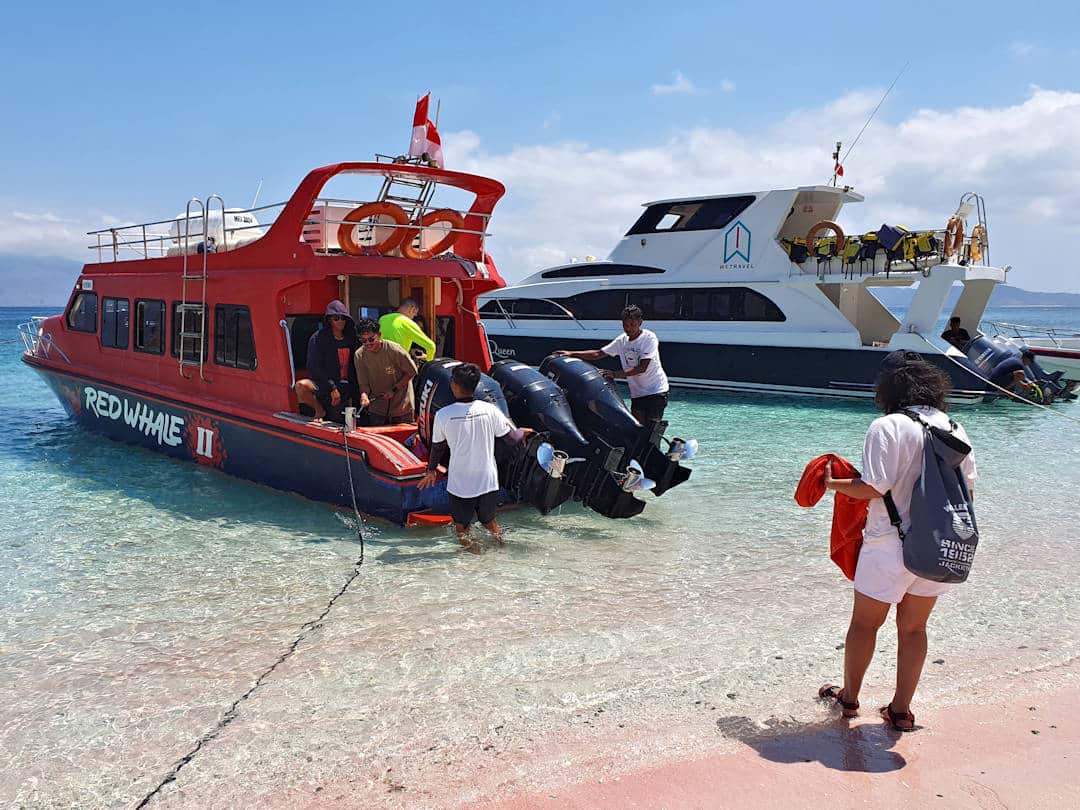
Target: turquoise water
[144, 595]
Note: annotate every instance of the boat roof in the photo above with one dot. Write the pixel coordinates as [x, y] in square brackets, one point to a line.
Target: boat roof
[845, 193]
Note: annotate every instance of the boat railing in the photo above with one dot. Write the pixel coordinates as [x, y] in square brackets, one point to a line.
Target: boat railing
[38, 342]
[222, 233]
[1056, 338]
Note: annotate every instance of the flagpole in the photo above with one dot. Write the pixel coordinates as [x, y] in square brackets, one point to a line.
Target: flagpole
[438, 108]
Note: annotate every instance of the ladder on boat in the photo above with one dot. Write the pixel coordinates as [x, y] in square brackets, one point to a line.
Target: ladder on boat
[192, 307]
[412, 194]
[974, 202]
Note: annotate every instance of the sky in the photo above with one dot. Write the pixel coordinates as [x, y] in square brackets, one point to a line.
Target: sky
[120, 113]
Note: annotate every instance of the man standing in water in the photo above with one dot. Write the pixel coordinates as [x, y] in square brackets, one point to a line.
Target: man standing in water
[467, 431]
[638, 351]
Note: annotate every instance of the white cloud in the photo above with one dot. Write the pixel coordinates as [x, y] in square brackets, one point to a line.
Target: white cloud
[1021, 49]
[680, 85]
[571, 199]
[727, 86]
[44, 233]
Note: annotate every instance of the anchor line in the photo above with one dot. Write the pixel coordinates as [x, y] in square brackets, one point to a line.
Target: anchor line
[306, 629]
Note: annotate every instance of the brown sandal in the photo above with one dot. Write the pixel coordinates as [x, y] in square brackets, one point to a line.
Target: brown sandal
[895, 719]
[836, 693]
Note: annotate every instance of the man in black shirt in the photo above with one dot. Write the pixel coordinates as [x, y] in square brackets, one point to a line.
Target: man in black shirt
[956, 334]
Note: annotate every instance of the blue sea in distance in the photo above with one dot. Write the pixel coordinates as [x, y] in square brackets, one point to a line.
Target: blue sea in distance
[143, 595]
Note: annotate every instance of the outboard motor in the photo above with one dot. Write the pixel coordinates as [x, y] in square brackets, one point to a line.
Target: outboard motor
[599, 411]
[520, 473]
[593, 466]
[987, 352]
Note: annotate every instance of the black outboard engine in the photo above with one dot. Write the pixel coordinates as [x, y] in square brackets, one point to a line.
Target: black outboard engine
[592, 465]
[520, 473]
[599, 411]
[987, 352]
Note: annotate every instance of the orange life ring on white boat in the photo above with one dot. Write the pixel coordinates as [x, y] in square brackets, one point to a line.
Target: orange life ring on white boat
[449, 215]
[978, 242]
[825, 224]
[954, 236]
[345, 230]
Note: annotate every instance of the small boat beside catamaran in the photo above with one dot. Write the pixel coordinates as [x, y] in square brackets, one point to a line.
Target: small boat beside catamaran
[187, 336]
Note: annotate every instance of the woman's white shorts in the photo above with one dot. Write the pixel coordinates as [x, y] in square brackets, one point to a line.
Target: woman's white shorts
[880, 572]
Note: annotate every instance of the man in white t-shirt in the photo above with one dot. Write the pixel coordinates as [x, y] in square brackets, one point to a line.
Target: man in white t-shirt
[466, 431]
[638, 351]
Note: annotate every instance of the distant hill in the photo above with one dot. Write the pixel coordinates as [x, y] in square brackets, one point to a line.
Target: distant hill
[36, 281]
[1004, 295]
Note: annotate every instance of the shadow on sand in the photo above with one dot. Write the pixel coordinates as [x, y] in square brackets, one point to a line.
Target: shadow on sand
[836, 744]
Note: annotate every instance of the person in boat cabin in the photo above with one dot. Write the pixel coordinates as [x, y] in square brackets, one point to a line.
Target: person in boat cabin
[892, 463]
[466, 431]
[330, 386]
[401, 328]
[956, 334]
[638, 351]
[384, 373]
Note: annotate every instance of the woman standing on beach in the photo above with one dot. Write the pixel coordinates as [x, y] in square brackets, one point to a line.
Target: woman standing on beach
[891, 463]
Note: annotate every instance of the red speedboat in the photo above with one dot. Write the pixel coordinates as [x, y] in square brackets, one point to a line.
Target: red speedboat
[187, 335]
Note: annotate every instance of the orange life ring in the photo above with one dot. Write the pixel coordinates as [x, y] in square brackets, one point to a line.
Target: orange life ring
[345, 230]
[954, 236]
[841, 241]
[978, 242]
[456, 221]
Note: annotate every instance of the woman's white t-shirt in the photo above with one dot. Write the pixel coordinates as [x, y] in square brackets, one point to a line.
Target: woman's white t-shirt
[645, 346]
[891, 453]
[469, 430]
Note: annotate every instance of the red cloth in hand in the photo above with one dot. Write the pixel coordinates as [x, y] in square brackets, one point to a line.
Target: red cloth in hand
[849, 514]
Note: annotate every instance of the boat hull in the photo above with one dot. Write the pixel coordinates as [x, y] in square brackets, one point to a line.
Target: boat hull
[794, 370]
[256, 451]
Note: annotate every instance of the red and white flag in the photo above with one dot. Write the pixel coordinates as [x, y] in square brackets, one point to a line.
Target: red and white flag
[838, 170]
[425, 138]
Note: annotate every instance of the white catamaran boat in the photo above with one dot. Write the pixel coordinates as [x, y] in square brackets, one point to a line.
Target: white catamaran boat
[762, 292]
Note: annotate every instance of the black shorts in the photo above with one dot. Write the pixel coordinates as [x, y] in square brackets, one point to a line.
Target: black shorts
[482, 508]
[650, 408]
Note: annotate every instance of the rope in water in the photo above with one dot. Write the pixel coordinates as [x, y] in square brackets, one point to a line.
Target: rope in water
[1005, 391]
[234, 710]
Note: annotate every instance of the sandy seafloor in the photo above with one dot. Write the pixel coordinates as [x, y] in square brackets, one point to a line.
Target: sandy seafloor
[143, 596]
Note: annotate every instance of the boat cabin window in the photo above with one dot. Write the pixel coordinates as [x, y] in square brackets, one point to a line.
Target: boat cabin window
[115, 322]
[594, 269]
[82, 314]
[690, 215]
[149, 326]
[234, 342]
[301, 328]
[694, 304]
[186, 331]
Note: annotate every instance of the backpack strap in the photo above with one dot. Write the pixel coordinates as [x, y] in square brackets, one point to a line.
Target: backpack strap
[894, 514]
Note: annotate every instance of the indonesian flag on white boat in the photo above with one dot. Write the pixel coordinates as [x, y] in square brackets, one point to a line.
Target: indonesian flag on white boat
[425, 138]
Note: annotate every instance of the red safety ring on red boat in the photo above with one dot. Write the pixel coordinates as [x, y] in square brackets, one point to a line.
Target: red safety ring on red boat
[345, 230]
[456, 221]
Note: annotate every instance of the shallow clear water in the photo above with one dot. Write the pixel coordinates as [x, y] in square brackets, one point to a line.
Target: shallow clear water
[144, 595]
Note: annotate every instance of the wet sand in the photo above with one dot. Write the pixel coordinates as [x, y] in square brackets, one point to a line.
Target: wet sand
[1014, 743]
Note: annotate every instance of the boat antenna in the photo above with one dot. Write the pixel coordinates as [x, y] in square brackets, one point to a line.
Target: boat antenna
[257, 190]
[868, 120]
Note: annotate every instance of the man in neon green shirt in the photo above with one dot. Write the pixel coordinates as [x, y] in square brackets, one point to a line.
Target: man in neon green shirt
[402, 329]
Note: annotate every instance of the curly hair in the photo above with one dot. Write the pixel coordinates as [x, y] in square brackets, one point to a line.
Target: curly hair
[367, 326]
[914, 382]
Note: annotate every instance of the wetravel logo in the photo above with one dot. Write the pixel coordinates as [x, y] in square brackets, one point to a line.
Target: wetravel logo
[737, 243]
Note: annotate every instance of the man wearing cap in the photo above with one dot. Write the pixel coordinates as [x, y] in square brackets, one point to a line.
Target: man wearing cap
[331, 382]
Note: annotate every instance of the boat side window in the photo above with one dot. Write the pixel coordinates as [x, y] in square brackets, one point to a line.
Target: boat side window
[601, 269]
[597, 305]
[522, 308]
[82, 314]
[729, 304]
[234, 342]
[186, 330]
[690, 215]
[149, 326]
[115, 322]
[661, 305]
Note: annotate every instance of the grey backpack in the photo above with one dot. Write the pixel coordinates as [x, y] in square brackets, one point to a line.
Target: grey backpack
[940, 543]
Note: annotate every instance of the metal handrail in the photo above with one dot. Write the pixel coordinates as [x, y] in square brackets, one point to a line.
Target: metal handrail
[284, 324]
[34, 338]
